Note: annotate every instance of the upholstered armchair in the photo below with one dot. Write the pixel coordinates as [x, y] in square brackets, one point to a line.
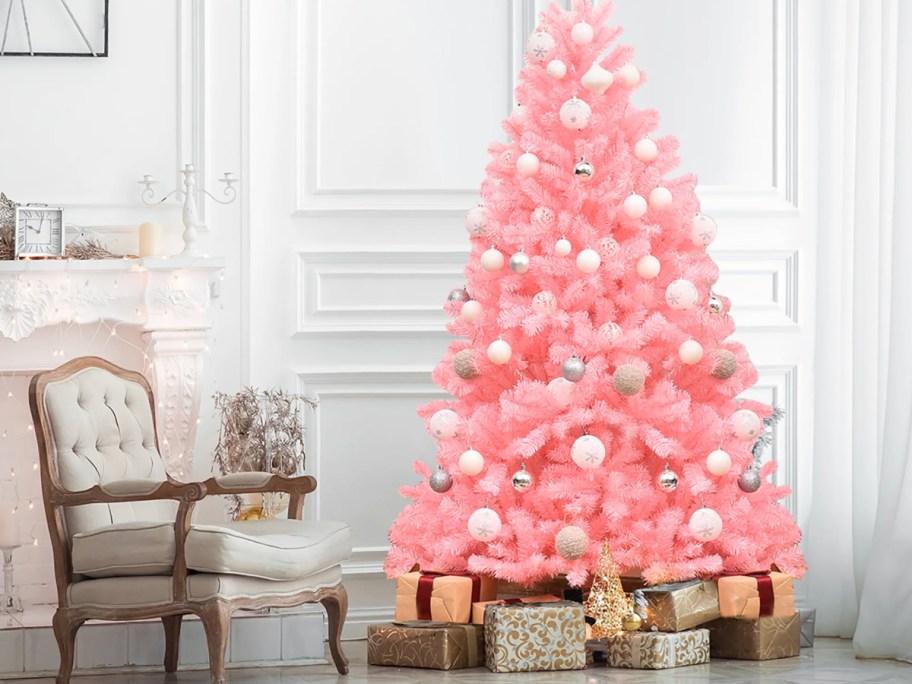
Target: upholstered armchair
[125, 546]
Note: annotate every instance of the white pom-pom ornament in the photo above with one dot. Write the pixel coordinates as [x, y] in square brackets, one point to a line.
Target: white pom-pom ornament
[484, 524]
[629, 75]
[645, 150]
[527, 164]
[659, 198]
[499, 352]
[718, 462]
[681, 295]
[519, 114]
[648, 267]
[476, 221]
[471, 462]
[746, 424]
[703, 230]
[582, 33]
[635, 206]
[544, 302]
[588, 261]
[575, 113]
[587, 452]
[597, 79]
[492, 260]
[562, 391]
[444, 424]
[571, 542]
[705, 524]
[557, 69]
[541, 46]
[471, 310]
[690, 352]
[563, 247]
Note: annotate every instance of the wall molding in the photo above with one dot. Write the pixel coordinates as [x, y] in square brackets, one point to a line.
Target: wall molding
[781, 268]
[781, 382]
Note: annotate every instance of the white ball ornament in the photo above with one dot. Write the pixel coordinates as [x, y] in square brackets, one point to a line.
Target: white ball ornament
[629, 75]
[476, 221]
[746, 424]
[588, 260]
[648, 267]
[541, 46]
[520, 114]
[543, 217]
[608, 334]
[499, 352]
[587, 452]
[562, 391]
[597, 79]
[563, 247]
[444, 424]
[471, 310]
[608, 247]
[645, 150]
[544, 302]
[705, 524]
[471, 462]
[703, 230]
[492, 260]
[681, 295]
[635, 206]
[575, 113]
[519, 263]
[484, 524]
[582, 33]
[527, 164]
[659, 198]
[690, 352]
[718, 462]
[571, 542]
[557, 69]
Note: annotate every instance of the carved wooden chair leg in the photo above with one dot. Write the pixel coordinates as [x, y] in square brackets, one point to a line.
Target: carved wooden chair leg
[172, 625]
[216, 618]
[336, 604]
[65, 629]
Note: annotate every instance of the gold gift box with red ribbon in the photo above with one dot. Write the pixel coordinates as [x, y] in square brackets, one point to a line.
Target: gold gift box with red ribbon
[762, 594]
[439, 597]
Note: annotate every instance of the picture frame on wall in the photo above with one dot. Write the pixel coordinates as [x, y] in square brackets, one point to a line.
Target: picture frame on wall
[39, 232]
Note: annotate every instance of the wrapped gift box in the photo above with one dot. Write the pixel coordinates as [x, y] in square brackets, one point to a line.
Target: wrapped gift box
[528, 637]
[442, 598]
[550, 587]
[765, 638]
[752, 596]
[478, 608]
[808, 616]
[679, 606]
[655, 650]
[433, 645]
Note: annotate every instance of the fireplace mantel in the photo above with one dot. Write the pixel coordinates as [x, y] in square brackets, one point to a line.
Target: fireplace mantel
[166, 299]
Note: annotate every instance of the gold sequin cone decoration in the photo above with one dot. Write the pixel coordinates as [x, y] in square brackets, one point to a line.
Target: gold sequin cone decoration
[607, 602]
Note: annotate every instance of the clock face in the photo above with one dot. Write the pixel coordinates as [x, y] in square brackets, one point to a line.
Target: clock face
[39, 232]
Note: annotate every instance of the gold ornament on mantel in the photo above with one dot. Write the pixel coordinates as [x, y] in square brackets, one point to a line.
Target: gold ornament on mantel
[607, 602]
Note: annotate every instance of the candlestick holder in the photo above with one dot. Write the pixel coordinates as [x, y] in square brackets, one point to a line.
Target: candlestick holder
[9, 599]
[188, 195]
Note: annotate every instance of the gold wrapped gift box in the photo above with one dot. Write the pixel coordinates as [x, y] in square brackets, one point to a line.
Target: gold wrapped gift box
[655, 650]
[680, 606]
[442, 598]
[478, 609]
[529, 637]
[432, 645]
[741, 596]
[765, 638]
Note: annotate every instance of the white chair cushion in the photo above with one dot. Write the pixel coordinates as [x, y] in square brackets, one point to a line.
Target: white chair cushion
[133, 548]
[268, 549]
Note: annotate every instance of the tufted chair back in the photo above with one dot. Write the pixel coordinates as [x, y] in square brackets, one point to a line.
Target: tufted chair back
[101, 429]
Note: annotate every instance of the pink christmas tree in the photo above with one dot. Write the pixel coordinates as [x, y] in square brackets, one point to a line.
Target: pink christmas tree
[594, 380]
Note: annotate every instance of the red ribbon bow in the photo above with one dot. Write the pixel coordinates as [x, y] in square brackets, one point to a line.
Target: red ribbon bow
[426, 587]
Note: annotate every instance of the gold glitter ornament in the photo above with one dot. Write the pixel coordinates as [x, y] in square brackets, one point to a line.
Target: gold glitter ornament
[632, 622]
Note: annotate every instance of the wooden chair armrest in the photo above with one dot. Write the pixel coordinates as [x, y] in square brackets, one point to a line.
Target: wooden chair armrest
[259, 483]
[129, 490]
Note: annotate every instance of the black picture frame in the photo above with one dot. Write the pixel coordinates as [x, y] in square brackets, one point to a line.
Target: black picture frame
[102, 53]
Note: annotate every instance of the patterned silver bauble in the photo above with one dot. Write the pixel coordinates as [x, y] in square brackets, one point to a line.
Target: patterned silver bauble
[521, 480]
[573, 369]
[724, 364]
[519, 262]
[668, 480]
[715, 305]
[749, 481]
[458, 294]
[440, 480]
[464, 363]
[583, 170]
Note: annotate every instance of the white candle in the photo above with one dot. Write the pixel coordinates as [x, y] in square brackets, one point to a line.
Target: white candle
[9, 529]
[150, 240]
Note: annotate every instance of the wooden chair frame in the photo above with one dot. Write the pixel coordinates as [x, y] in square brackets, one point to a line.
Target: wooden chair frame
[215, 614]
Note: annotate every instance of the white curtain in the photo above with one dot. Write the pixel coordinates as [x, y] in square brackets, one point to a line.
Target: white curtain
[859, 536]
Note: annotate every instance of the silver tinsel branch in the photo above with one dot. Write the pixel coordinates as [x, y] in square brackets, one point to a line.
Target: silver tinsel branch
[769, 428]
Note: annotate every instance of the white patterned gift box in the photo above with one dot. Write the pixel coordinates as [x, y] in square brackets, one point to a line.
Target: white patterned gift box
[654, 650]
[529, 637]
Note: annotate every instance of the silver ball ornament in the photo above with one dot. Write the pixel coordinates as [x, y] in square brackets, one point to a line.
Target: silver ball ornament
[668, 480]
[522, 480]
[440, 480]
[583, 170]
[749, 481]
[715, 305]
[458, 294]
[465, 365]
[573, 369]
[519, 262]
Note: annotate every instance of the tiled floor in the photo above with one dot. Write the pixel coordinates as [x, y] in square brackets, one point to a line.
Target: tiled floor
[830, 661]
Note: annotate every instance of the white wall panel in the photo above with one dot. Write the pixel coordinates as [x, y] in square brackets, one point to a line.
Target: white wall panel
[762, 285]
